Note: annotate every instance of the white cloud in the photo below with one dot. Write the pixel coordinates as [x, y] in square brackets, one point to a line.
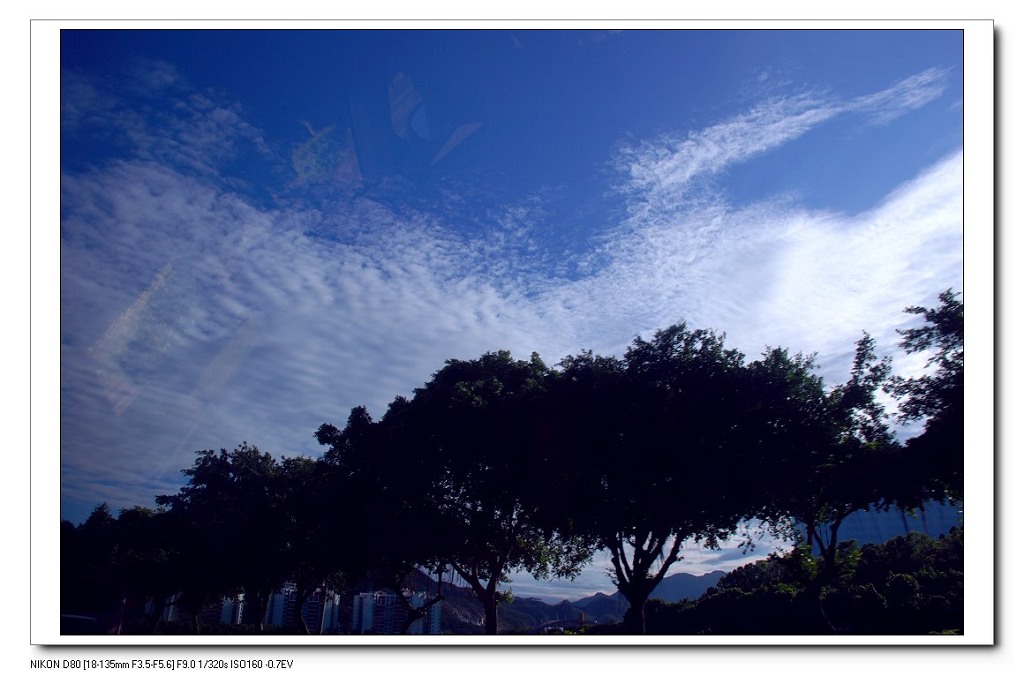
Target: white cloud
[673, 172]
[779, 274]
[904, 96]
[233, 322]
[666, 170]
[205, 321]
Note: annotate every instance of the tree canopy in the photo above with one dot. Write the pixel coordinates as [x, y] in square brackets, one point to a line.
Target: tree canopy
[827, 453]
[937, 397]
[647, 439]
[471, 433]
[233, 506]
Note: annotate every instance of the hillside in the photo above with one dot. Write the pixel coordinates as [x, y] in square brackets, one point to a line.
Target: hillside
[461, 613]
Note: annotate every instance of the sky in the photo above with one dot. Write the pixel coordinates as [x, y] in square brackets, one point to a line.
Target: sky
[260, 230]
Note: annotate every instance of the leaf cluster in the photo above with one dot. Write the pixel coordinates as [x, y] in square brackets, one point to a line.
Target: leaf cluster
[908, 585]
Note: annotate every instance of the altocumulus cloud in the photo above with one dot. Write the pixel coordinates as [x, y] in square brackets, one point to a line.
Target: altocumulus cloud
[194, 316]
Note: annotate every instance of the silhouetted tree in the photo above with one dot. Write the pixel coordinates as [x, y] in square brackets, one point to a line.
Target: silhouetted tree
[317, 524]
[937, 398]
[826, 454]
[391, 527]
[88, 583]
[233, 505]
[650, 437]
[471, 433]
[143, 561]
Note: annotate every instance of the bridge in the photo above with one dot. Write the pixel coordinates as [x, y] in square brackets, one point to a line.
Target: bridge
[560, 623]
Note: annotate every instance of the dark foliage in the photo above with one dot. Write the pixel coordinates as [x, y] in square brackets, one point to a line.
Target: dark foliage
[936, 398]
[908, 585]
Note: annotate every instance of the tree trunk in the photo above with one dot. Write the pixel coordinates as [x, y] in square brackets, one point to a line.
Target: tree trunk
[121, 612]
[488, 596]
[259, 618]
[491, 614]
[414, 614]
[302, 594]
[635, 619]
[635, 583]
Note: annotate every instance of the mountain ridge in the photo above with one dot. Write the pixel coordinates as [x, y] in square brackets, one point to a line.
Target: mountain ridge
[675, 587]
[461, 613]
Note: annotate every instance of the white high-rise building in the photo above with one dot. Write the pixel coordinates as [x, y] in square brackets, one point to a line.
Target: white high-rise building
[383, 612]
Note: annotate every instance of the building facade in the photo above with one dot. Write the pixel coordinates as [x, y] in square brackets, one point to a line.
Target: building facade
[384, 612]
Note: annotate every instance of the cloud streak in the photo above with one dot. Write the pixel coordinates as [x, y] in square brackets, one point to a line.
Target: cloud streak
[669, 173]
[902, 97]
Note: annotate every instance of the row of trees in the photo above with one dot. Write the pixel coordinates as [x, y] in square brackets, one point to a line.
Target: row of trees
[499, 465]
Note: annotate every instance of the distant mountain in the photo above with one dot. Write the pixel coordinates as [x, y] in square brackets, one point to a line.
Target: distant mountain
[603, 608]
[596, 598]
[525, 614]
[606, 609]
[683, 585]
[461, 613]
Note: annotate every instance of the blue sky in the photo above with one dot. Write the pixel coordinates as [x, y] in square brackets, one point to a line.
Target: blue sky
[263, 229]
